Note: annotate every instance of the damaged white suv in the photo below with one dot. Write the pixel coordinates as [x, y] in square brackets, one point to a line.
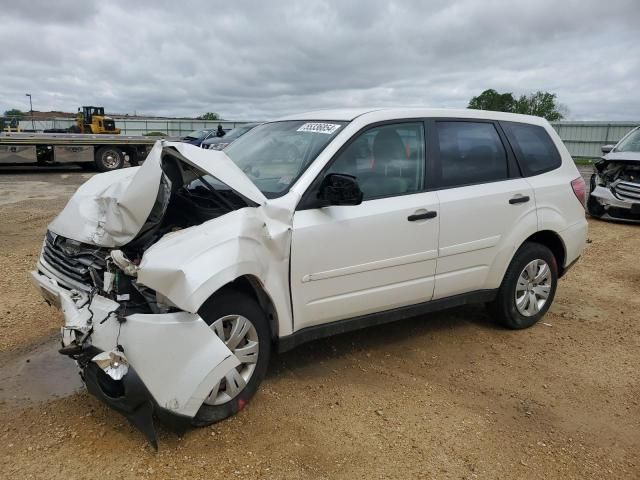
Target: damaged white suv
[177, 278]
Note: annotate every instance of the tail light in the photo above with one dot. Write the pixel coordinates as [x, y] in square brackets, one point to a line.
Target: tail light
[580, 189]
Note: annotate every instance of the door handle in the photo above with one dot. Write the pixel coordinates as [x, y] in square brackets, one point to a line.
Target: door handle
[519, 199]
[422, 216]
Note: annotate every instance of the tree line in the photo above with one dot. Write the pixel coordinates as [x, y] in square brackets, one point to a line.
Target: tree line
[540, 104]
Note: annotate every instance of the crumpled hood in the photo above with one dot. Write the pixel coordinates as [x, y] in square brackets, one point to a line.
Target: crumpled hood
[627, 156]
[110, 208]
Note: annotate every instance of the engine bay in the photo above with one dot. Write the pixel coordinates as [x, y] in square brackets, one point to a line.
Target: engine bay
[186, 197]
[618, 170]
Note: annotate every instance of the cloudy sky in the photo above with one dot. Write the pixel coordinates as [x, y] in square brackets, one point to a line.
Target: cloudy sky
[262, 59]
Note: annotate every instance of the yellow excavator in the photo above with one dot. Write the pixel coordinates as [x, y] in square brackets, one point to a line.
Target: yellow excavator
[93, 120]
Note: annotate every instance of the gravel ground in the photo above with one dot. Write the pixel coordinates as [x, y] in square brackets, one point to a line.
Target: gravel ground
[445, 396]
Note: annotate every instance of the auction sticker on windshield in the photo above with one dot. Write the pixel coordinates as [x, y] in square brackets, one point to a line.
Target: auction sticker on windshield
[327, 128]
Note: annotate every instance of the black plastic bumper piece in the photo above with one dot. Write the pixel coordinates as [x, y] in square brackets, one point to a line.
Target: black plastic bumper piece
[127, 396]
[130, 398]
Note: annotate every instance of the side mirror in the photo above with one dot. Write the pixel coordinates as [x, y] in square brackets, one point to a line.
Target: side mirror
[339, 189]
[607, 148]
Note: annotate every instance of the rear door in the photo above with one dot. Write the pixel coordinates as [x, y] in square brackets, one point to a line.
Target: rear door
[348, 261]
[484, 205]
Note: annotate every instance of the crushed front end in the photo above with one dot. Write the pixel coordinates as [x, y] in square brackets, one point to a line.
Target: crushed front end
[124, 263]
[615, 190]
[123, 336]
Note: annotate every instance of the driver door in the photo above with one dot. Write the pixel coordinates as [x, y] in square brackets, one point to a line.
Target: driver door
[352, 260]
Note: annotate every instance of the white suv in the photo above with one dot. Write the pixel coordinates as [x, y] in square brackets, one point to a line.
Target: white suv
[178, 277]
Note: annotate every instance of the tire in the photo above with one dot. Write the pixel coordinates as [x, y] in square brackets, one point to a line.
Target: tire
[132, 157]
[504, 309]
[223, 305]
[109, 158]
[593, 206]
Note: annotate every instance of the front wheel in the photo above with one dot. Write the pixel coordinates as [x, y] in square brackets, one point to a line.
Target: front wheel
[528, 287]
[237, 319]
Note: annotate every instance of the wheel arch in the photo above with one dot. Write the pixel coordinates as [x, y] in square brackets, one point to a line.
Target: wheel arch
[549, 238]
[251, 285]
[553, 242]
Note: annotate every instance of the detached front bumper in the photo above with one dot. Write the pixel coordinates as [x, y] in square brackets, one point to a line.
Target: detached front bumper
[615, 208]
[174, 359]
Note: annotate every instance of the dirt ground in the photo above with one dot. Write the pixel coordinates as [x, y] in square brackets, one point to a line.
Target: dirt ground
[445, 396]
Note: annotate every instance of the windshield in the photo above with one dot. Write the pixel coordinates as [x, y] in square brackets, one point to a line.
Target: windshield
[631, 143]
[274, 155]
[196, 134]
[236, 132]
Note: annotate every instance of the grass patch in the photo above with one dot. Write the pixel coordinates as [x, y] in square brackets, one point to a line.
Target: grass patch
[584, 161]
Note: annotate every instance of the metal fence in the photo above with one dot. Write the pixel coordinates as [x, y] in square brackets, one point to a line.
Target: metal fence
[137, 126]
[583, 139]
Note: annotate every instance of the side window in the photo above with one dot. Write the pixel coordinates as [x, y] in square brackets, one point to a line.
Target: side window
[470, 152]
[386, 160]
[536, 151]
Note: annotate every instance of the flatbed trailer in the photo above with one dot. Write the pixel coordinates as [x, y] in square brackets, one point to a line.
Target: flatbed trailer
[102, 152]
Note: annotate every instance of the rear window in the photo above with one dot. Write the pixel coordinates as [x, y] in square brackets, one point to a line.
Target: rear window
[470, 152]
[534, 148]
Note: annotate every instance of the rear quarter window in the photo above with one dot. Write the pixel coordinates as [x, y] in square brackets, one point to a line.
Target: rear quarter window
[535, 151]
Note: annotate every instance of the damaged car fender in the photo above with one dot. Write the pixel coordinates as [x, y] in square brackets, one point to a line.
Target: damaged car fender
[189, 265]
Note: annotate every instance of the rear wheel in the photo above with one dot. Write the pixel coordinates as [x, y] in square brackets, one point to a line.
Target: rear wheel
[109, 158]
[528, 287]
[237, 319]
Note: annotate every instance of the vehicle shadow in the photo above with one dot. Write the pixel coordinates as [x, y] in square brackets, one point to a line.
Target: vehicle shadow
[384, 337]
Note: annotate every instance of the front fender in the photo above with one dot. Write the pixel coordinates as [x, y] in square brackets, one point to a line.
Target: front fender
[188, 283]
[188, 266]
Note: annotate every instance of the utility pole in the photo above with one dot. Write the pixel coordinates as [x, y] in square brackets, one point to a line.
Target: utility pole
[33, 125]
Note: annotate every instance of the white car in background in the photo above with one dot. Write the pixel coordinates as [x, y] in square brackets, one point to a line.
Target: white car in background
[177, 278]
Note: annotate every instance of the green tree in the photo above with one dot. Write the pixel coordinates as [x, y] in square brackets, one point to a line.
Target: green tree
[492, 100]
[209, 116]
[540, 104]
[14, 112]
